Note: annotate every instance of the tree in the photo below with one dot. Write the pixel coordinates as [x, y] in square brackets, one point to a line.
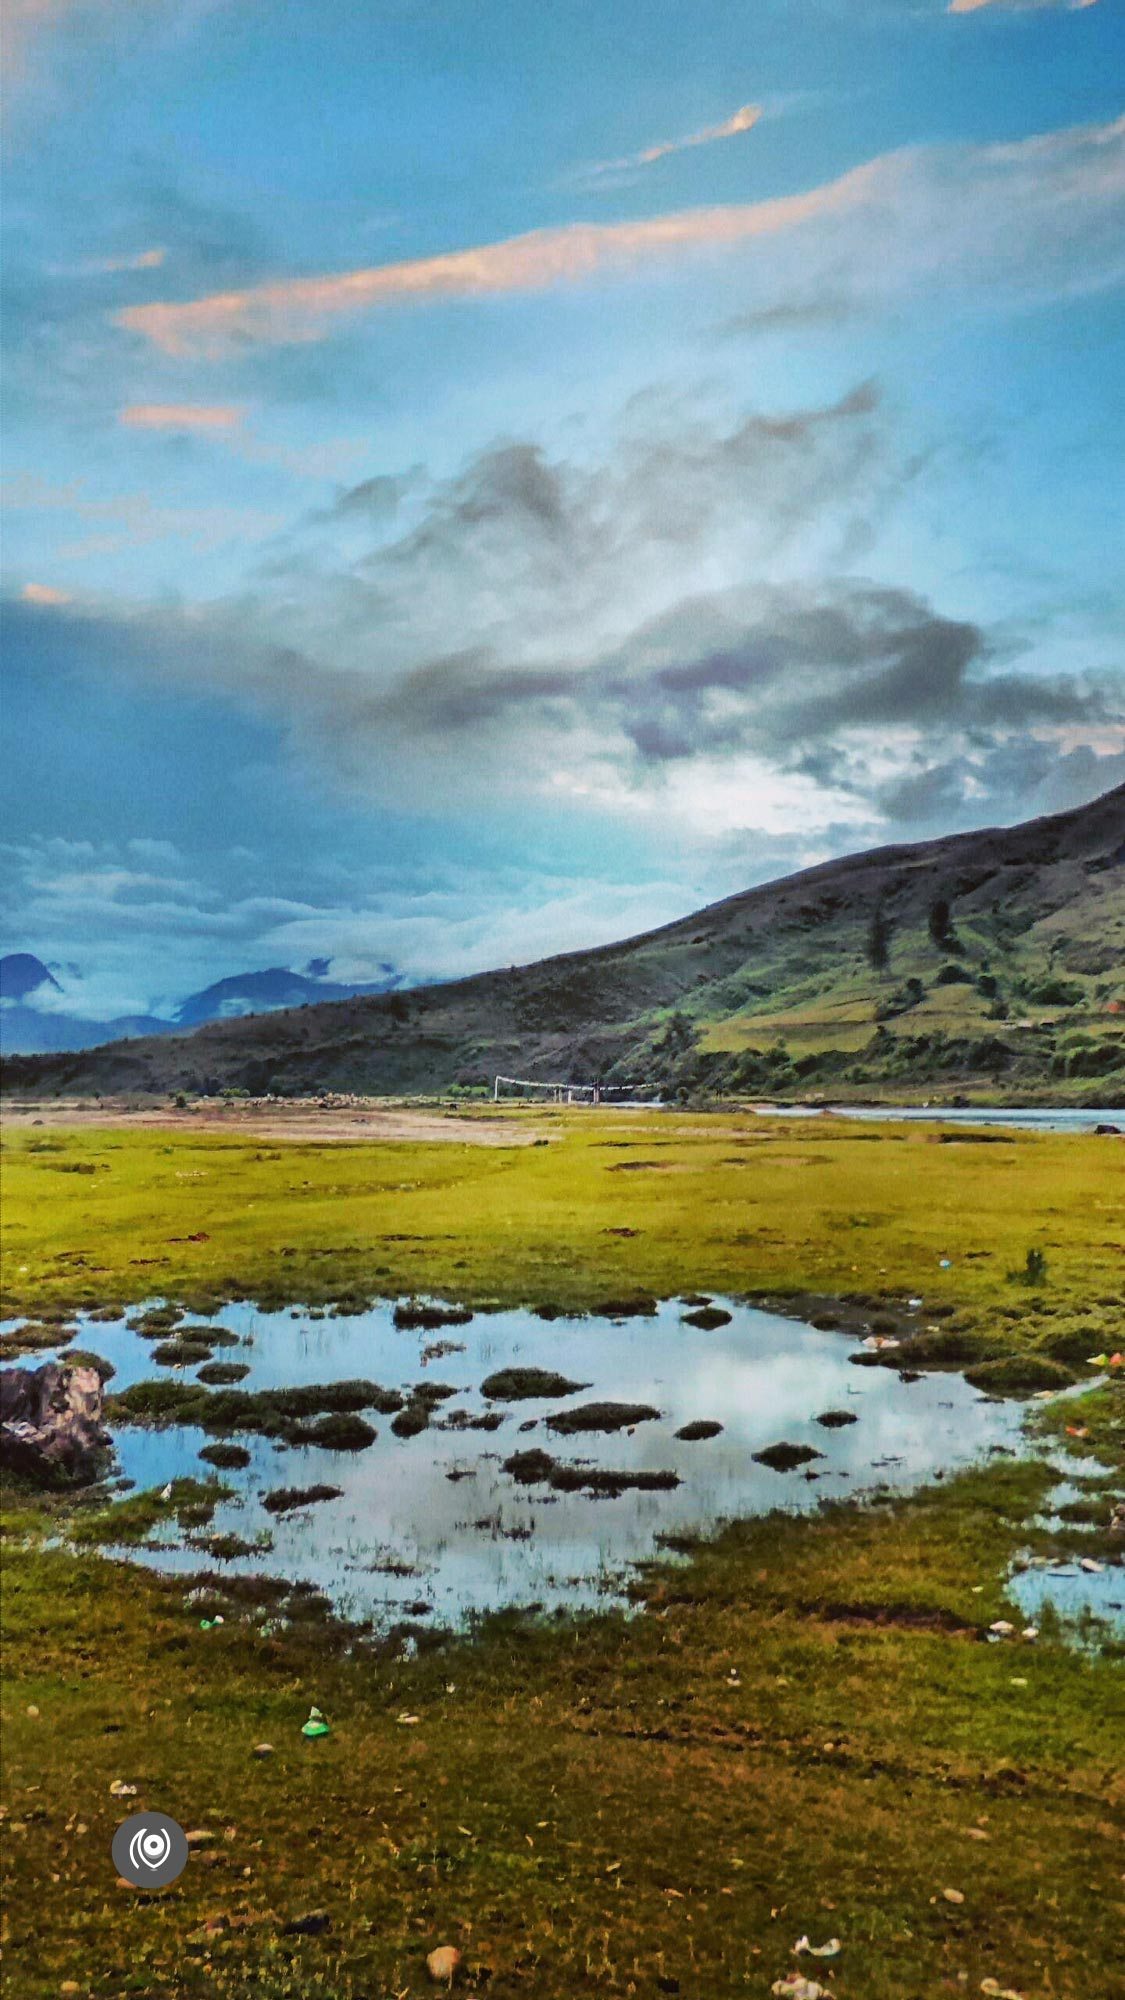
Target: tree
[940, 929]
[879, 939]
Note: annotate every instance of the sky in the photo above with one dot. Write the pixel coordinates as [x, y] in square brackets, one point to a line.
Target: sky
[482, 480]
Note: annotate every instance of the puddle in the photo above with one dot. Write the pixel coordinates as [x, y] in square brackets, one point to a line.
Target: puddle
[470, 1536]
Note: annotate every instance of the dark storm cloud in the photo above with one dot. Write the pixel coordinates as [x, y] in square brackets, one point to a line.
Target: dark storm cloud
[805, 670]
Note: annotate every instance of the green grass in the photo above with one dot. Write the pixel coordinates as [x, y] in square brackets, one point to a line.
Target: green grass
[795, 1736]
[797, 1731]
[716, 1203]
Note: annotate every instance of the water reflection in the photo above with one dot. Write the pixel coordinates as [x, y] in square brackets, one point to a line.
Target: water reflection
[441, 1503]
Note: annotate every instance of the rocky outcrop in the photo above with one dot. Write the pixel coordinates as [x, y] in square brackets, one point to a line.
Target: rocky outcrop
[51, 1426]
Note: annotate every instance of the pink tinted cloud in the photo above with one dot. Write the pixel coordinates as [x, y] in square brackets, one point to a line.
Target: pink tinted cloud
[1018, 208]
[741, 120]
[297, 309]
[181, 416]
[44, 593]
[1014, 6]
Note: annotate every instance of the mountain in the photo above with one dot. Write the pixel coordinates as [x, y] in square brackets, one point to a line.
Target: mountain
[30, 1029]
[22, 974]
[261, 992]
[37, 1031]
[995, 957]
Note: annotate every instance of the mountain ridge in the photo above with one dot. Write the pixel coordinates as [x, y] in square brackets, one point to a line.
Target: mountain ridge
[27, 1029]
[994, 955]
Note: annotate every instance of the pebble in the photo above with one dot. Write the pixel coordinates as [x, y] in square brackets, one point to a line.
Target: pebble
[263, 1749]
[953, 1895]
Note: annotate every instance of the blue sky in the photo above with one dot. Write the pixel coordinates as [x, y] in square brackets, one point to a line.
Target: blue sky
[486, 479]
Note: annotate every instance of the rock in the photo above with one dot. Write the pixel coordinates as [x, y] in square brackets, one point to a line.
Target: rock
[953, 1895]
[707, 1318]
[51, 1426]
[442, 1964]
[199, 1836]
[263, 1749]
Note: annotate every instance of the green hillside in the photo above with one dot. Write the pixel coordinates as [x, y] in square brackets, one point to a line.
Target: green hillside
[995, 959]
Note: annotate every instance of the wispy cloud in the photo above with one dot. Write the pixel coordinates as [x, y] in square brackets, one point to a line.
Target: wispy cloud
[1026, 213]
[108, 267]
[181, 416]
[741, 120]
[1018, 6]
[43, 593]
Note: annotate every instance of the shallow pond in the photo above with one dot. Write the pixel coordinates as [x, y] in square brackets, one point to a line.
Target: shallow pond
[436, 1519]
[1054, 1118]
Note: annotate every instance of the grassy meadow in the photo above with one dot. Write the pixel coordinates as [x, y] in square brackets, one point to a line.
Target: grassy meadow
[799, 1732]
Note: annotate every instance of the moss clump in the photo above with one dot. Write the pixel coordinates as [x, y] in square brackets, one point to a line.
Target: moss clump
[182, 1353]
[785, 1457]
[222, 1374]
[707, 1318]
[834, 1420]
[1019, 1375]
[157, 1320]
[538, 1468]
[697, 1432]
[600, 1417]
[514, 1385]
[284, 1498]
[269, 1412]
[413, 1418]
[228, 1457]
[35, 1337]
[337, 1431]
[421, 1313]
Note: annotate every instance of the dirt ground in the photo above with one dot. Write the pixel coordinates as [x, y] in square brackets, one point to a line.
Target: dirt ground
[336, 1119]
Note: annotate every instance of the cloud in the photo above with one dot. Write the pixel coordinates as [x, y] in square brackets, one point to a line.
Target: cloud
[24, 21]
[108, 267]
[742, 120]
[1018, 6]
[181, 416]
[1040, 215]
[672, 632]
[43, 593]
[34, 28]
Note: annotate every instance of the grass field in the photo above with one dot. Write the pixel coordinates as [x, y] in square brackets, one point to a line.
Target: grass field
[801, 1731]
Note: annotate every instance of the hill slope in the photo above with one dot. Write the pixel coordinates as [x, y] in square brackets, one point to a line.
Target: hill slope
[997, 956]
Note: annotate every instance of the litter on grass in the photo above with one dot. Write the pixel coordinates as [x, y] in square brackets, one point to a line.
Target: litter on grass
[316, 1724]
[828, 1950]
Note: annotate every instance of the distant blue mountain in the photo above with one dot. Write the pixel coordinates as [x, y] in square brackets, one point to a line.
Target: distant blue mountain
[31, 1030]
[265, 992]
[21, 974]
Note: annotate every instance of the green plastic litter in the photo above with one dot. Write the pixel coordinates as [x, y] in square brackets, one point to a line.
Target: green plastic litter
[316, 1725]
